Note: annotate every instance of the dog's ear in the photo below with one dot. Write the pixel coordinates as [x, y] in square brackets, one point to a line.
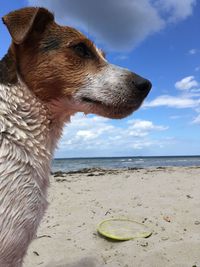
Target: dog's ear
[21, 22]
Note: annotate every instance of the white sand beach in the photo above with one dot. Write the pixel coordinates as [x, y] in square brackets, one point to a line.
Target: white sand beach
[166, 199]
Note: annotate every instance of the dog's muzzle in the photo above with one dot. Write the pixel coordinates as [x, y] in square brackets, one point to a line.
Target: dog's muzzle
[114, 92]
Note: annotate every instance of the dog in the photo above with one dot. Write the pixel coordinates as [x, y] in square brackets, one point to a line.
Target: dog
[49, 73]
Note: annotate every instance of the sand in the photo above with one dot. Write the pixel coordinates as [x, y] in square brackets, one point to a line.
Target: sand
[166, 199]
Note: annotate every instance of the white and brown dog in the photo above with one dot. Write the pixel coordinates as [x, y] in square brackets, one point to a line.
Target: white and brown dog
[49, 73]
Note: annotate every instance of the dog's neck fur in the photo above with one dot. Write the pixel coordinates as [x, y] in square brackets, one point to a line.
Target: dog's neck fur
[28, 136]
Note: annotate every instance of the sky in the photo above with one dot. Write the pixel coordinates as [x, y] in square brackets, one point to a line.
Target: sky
[157, 39]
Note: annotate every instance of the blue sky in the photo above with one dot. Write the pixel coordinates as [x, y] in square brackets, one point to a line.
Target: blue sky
[158, 39]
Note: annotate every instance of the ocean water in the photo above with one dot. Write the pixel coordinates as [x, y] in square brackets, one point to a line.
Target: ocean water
[74, 164]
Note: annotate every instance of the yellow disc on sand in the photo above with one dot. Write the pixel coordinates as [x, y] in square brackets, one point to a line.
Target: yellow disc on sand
[123, 229]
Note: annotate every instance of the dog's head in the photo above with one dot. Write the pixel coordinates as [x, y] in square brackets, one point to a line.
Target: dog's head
[60, 65]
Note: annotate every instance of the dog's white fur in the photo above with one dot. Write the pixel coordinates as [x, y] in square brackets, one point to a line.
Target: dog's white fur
[27, 141]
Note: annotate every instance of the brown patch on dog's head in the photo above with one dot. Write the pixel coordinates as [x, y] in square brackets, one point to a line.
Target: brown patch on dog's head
[52, 60]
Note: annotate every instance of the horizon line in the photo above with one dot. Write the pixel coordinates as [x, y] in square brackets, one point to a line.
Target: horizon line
[99, 157]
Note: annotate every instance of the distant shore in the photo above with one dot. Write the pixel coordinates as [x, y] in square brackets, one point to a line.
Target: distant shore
[96, 171]
[165, 198]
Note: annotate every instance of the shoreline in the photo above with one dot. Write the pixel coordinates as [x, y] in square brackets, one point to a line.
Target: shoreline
[166, 199]
[104, 171]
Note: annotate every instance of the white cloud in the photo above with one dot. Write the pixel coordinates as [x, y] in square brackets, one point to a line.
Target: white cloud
[87, 135]
[173, 102]
[121, 25]
[192, 51]
[175, 117]
[152, 143]
[189, 97]
[197, 68]
[121, 57]
[144, 126]
[142, 144]
[176, 10]
[98, 136]
[186, 83]
[197, 120]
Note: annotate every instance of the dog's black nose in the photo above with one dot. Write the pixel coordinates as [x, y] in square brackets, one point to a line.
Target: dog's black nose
[140, 85]
[143, 85]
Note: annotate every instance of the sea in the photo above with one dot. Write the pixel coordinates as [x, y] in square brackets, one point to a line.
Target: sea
[76, 164]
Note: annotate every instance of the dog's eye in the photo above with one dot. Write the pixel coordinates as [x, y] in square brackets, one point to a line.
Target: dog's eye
[82, 50]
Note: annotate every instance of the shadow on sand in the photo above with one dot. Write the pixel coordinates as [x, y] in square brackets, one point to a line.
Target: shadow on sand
[85, 262]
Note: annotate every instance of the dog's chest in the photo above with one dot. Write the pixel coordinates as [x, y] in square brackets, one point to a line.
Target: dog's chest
[24, 132]
[25, 153]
